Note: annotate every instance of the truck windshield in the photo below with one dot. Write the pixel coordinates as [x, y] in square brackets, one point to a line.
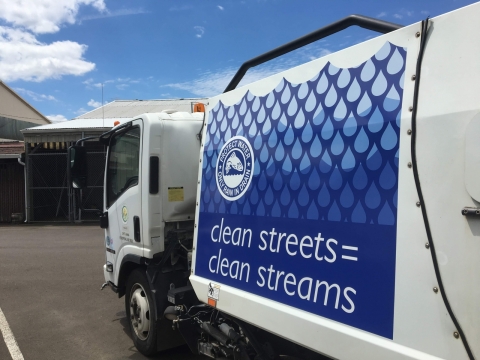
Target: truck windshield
[123, 163]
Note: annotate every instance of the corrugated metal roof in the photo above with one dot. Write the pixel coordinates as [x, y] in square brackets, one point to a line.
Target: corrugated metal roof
[11, 149]
[76, 125]
[93, 122]
[120, 109]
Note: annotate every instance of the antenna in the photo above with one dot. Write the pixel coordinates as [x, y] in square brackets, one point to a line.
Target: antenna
[103, 110]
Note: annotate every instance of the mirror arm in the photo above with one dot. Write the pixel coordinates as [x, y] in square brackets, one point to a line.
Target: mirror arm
[105, 137]
[85, 139]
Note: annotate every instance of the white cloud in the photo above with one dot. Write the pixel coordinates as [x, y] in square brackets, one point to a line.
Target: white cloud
[44, 16]
[220, 7]
[382, 14]
[23, 57]
[403, 13]
[208, 83]
[56, 118]
[35, 96]
[212, 83]
[94, 104]
[425, 12]
[107, 13]
[200, 31]
[320, 53]
[90, 83]
[122, 83]
[81, 111]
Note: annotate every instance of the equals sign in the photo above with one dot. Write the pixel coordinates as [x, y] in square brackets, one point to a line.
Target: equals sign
[352, 248]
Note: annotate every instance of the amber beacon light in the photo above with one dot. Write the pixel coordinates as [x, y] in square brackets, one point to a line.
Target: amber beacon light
[198, 107]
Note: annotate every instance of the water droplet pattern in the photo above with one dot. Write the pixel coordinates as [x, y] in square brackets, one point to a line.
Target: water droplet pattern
[326, 149]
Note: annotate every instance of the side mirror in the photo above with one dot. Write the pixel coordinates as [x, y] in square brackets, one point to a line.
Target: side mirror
[77, 159]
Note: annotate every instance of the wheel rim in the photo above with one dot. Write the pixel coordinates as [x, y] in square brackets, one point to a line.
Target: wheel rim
[139, 312]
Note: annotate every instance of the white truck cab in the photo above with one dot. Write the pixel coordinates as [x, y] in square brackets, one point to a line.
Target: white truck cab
[149, 208]
[151, 175]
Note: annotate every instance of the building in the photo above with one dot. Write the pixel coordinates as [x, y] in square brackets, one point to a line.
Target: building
[15, 115]
[49, 196]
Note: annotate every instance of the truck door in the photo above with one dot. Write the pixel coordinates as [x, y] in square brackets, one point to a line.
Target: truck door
[122, 194]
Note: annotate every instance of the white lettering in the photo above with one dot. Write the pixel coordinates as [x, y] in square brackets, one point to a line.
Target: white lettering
[263, 240]
[334, 256]
[318, 239]
[294, 242]
[210, 264]
[307, 296]
[224, 265]
[237, 231]
[249, 232]
[280, 237]
[287, 282]
[272, 233]
[236, 264]
[245, 265]
[219, 257]
[309, 245]
[226, 232]
[270, 272]
[260, 269]
[352, 305]
[213, 229]
[327, 290]
[279, 275]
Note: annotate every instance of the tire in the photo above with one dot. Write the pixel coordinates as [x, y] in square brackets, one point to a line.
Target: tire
[141, 315]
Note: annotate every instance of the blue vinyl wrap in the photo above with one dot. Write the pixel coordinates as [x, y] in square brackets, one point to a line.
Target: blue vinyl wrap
[325, 175]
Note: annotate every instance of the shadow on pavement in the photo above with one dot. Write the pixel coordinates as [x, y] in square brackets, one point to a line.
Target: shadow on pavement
[178, 353]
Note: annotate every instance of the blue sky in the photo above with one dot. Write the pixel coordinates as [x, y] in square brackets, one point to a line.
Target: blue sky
[58, 53]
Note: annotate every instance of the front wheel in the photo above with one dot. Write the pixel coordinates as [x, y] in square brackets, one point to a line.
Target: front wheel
[140, 311]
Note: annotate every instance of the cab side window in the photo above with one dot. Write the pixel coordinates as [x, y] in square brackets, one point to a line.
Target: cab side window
[123, 163]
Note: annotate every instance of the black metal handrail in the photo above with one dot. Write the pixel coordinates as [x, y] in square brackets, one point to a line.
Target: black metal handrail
[352, 20]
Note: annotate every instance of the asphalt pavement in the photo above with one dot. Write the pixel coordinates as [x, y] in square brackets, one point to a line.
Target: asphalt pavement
[50, 278]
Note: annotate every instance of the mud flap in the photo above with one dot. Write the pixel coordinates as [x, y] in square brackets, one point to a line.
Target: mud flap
[160, 283]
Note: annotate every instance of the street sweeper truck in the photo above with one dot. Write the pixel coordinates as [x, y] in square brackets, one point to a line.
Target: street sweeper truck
[328, 211]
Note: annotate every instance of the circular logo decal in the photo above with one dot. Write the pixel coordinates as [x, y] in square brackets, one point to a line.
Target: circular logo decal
[234, 168]
[124, 214]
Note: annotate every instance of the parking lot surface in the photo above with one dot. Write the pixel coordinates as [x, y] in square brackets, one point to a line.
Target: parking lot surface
[50, 278]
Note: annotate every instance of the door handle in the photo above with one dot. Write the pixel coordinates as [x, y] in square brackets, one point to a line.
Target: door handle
[104, 220]
[136, 228]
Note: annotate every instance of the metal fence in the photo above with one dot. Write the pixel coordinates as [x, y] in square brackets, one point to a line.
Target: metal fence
[47, 187]
[88, 202]
[50, 198]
